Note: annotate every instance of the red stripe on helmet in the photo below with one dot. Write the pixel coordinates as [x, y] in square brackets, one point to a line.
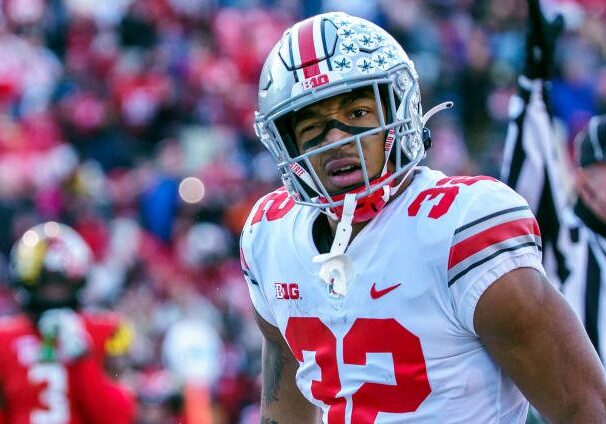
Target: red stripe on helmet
[307, 49]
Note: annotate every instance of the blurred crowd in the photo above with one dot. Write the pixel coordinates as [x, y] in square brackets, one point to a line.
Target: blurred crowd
[131, 121]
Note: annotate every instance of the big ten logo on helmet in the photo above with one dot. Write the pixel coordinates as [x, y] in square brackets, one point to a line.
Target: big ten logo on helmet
[315, 81]
[287, 291]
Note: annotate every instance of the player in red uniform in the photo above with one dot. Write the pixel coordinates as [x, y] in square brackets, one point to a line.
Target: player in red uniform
[53, 355]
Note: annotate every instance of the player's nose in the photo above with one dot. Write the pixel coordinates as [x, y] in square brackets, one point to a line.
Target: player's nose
[334, 135]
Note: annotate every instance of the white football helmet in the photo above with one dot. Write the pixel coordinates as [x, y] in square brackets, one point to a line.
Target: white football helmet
[325, 56]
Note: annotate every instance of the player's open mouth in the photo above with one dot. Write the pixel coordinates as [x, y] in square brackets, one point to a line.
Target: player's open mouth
[344, 170]
[344, 173]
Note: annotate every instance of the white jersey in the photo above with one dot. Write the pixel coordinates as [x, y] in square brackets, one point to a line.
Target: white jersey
[401, 345]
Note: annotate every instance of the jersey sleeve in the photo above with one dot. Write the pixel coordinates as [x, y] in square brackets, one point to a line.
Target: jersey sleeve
[249, 270]
[497, 234]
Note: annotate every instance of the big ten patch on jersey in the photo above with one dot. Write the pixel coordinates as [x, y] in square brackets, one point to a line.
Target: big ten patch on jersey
[287, 291]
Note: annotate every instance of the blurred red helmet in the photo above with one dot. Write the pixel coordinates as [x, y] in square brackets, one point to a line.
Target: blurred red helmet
[48, 267]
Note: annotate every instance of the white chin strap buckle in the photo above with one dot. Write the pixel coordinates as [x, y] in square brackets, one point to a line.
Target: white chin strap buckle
[337, 269]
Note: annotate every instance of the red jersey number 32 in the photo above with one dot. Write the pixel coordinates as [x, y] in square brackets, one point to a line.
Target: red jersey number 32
[367, 335]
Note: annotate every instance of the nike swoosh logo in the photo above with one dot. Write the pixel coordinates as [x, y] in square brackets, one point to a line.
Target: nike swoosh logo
[375, 294]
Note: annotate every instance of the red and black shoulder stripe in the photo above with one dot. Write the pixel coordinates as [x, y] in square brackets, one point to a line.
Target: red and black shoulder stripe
[490, 238]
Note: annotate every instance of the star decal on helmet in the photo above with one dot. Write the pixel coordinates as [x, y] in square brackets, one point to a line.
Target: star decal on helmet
[365, 66]
[366, 41]
[381, 61]
[390, 53]
[342, 64]
[340, 22]
[346, 32]
[378, 38]
[349, 49]
[362, 25]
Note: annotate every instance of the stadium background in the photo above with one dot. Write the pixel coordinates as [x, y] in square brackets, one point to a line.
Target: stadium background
[131, 120]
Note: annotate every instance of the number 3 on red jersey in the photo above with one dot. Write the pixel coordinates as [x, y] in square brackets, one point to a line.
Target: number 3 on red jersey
[367, 335]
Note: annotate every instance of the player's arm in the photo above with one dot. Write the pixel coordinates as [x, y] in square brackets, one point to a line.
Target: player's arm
[539, 342]
[281, 400]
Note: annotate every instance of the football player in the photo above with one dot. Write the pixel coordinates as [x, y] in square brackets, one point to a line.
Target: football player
[53, 355]
[388, 292]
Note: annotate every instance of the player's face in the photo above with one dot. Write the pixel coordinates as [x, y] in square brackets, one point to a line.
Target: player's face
[56, 291]
[340, 168]
[591, 181]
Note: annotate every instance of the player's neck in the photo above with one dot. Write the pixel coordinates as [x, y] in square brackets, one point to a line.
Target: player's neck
[356, 228]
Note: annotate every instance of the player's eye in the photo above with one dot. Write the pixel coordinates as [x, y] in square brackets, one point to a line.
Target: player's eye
[358, 113]
[311, 130]
[310, 127]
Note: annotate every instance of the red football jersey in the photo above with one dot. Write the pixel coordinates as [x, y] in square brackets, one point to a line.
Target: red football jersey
[35, 392]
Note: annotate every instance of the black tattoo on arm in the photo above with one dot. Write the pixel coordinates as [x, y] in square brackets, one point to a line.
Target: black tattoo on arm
[273, 365]
[265, 420]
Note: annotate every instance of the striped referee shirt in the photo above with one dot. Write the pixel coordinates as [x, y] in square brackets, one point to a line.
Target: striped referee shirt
[536, 166]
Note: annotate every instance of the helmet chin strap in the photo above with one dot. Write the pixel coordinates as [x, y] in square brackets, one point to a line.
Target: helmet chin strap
[336, 269]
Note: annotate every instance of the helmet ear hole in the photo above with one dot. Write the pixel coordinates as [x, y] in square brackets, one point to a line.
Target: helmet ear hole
[426, 137]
